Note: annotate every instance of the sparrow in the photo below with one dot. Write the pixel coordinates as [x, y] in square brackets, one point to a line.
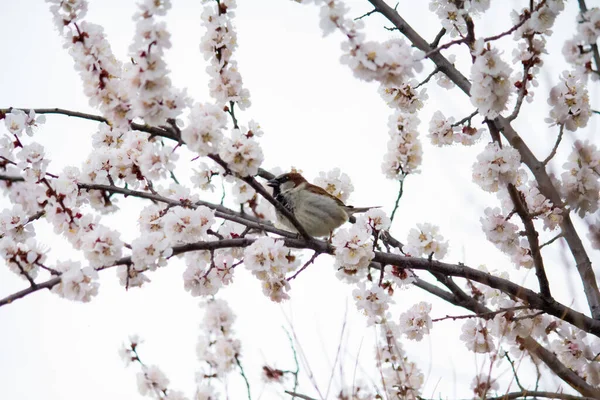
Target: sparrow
[315, 209]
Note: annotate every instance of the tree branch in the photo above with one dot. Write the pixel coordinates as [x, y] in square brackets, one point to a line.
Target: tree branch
[532, 238]
[583, 263]
[576, 382]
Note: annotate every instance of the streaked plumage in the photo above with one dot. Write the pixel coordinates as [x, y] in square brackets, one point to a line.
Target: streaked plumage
[316, 210]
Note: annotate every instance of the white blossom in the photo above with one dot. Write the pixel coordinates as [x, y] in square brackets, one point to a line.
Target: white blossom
[17, 121]
[424, 241]
[404, 155]
[218, 44]
[353, 252]
[415, 323]
[204, 132]
[496, 167]
[581, 179]
[151, 250]
[490, 77]
[101, 246]
[270, 261]
[76, 283]
[152, 381]
[372, 301]
[242, 153]
[570, 102]
[336, 183]
[476, 336]
[185, 225]
[404, 96]
[443, 131]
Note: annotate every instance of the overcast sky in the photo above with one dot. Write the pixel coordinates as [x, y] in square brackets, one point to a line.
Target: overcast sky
[316, 116]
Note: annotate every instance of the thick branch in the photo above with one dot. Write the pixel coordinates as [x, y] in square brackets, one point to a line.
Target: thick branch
[166, 133]
[532, 238]
[535, 394]
[595, 52]
[576, 382]
[583, 263]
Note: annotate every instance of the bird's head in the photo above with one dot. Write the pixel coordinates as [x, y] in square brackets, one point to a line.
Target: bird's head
[287, 181]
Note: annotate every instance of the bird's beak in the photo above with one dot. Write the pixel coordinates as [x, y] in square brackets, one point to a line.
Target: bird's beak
[273, 182]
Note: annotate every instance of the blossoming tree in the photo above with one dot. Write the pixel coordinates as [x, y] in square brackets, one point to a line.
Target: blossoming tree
[146, 127]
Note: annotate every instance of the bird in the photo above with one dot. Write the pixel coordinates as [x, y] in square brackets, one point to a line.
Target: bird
[317, 211]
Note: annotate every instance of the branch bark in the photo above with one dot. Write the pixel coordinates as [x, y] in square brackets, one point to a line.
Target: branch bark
[582, 261]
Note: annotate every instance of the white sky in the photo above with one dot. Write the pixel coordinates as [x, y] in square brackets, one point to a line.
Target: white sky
[316, 116]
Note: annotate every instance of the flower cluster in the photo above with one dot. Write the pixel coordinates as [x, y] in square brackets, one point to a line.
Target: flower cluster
[155, 101]
[482, 386]
[218, 44]
[374, 220]
[443, 131]
[353, 252]
[490, 77]
[76, 283]
[426, 241]
[401, 378]
[452, 13]
[204, 132]
[404, 153]
[124, 156]
[185, 225]
[540, 207]
[581, 179]
[217, 345]
[390, 63]
[570, 102]
[206, 273]
[152, 381]
[577, 352]
[150, 251]
[477, 337]
[496, 167]
[17, 121]
[504, 235]
[22, 258]
[415, 323]
[404, 96]
[578, 50]
[336, 183]
[100, 71]
[242, 153]
[373, 301]
[270, 261]
[202, 177]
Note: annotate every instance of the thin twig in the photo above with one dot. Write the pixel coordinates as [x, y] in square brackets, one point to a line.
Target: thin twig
[306, 264]
[366, 15]
[300, 396]
[551, 240]
[512, 366]
[243, 374]
[553, 152]
[400, 191]
[465, 119]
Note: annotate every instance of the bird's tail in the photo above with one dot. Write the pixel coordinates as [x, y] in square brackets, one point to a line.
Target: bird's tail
[357, 210]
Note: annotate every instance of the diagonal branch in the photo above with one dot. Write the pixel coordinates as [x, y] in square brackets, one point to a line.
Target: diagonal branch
[532, 238]
[582, 261]
[552, 362]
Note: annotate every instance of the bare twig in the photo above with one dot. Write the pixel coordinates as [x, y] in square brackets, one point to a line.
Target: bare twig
[243, 374]
[532, 238]
[298, 395]
[400, 192]
[553, 152]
